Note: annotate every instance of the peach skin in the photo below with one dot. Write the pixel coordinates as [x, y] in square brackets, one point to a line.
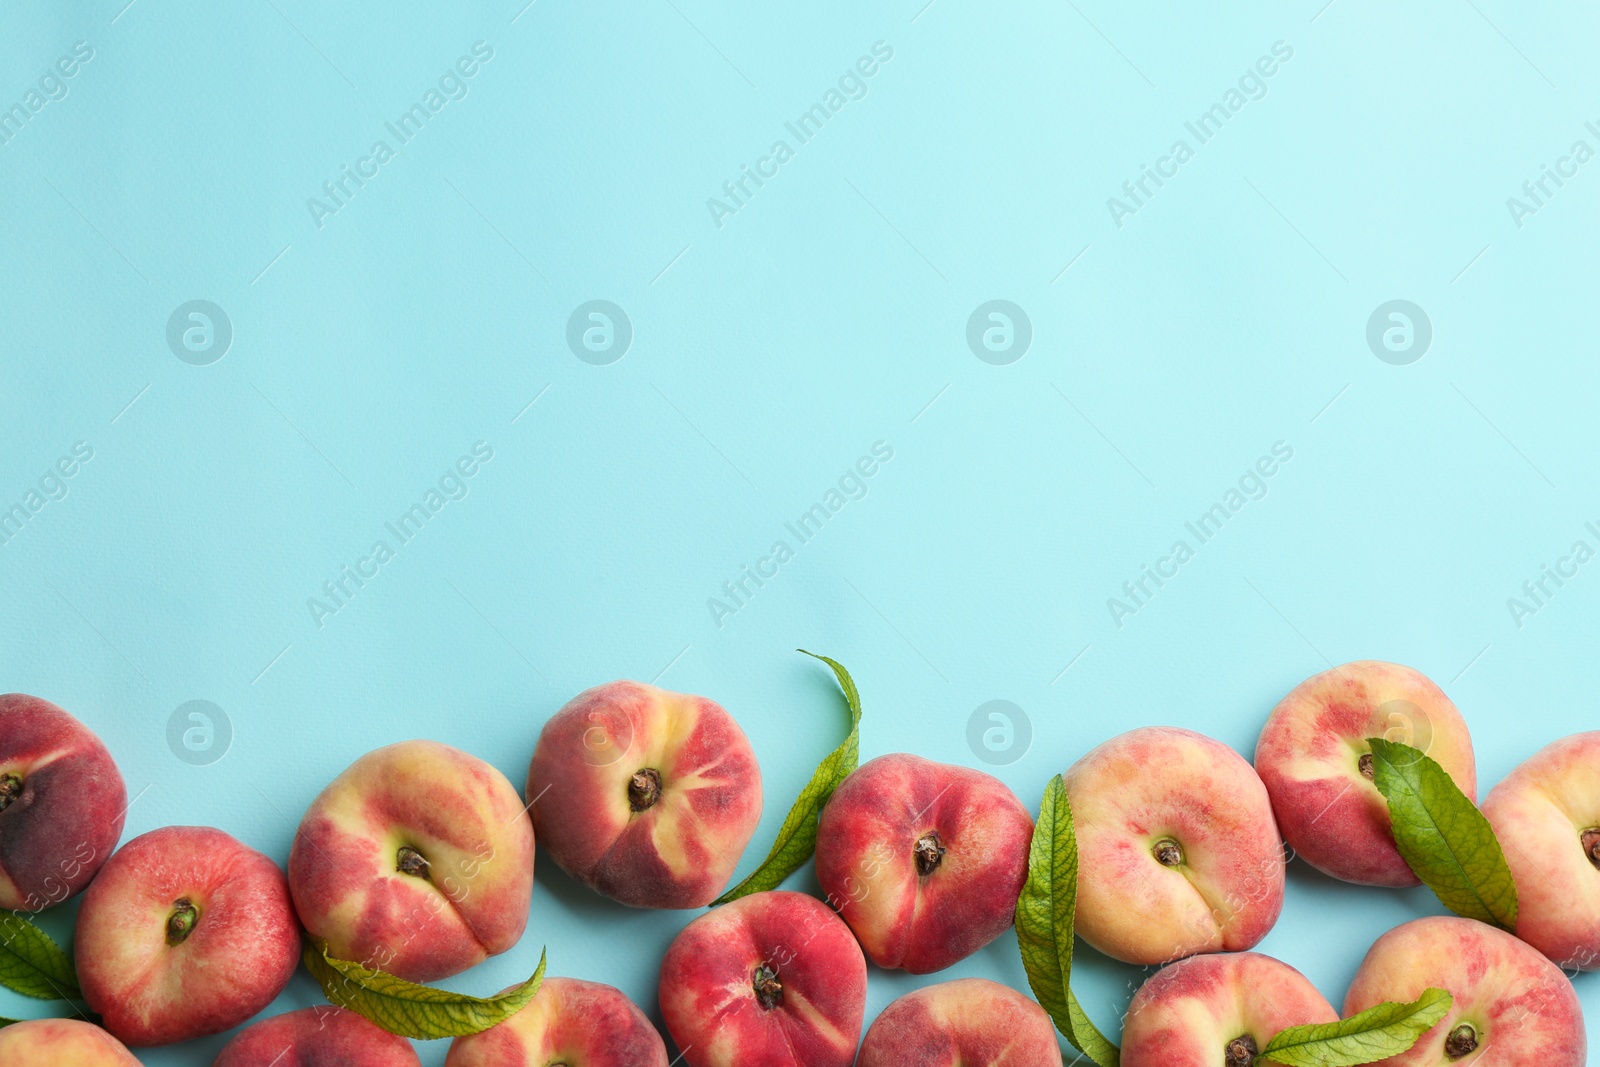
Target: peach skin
[1177, 849]
[62, 1043]
[323, 1036]
[1217, 1009]
[970, 1022]
[62, 803]
[185, 932]
[1314, 758]
[646, 796]
[924, 860]
[1546, 814]
[570, 1023]
[417, 860]
[773, 978]
[1512, 1007]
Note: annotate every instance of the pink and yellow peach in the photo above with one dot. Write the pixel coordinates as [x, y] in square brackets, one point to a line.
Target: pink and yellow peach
[1177, 849]
[185, 932]
[970, 1022]
[644, 795]
[924, 860]
[1314, 758]
[62, 1043]
[1511, 1006]
[322, 1036]
[62, 803]
[570, 1022]
[1217, 1009]
[417, 860]
[773, 978]
[1546, 814]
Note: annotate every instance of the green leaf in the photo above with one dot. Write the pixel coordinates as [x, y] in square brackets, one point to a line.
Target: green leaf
[1045, 915]
[412, 1010]
[797, 838]
[32, 964]
[1443, 836]
[1381, 1031]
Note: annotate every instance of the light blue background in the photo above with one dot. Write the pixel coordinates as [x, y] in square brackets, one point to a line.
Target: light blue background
[830, 312]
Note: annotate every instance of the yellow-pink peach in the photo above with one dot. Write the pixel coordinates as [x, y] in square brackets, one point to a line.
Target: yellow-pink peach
[417, 860]
[970, 1022]
[570, 1022]
[1216, 1010]
[1314, 758]
[62, 1043]
[1546, 814]
[1511, 1007]
[1177, 849]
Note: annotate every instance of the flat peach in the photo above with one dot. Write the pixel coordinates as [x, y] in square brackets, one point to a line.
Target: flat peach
[1512, 1007]
[924, 860]
[1314, 758]
[1546, 814]
[1177, 849]
[1218, 1009]
[417, 860]
[569, 1023]
[321, 1036]
[970, 1022]
[62, 1043]
[62, 802]
[644, 795]
[774, 979]
[185, 932]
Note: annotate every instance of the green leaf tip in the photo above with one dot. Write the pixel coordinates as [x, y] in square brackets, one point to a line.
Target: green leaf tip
[797, 838]
[409, 1009]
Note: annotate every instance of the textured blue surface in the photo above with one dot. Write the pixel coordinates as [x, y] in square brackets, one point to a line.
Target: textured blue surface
[775, 338]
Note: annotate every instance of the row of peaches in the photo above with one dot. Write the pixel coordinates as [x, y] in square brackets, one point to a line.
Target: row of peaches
[418, 861]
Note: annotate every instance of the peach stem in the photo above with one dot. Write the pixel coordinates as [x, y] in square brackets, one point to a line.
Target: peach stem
[182, 921]
[1241, 1051]
[644, 789]
[769, 991]
[10, 789]
[1462, 1040]
[1591, 844]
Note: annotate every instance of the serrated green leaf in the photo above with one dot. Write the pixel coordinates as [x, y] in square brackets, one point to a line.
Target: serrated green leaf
[1046, 911]
[1443, 836]
[797, 838]
[32, 964]
[409, 1009]
[1381, 1031]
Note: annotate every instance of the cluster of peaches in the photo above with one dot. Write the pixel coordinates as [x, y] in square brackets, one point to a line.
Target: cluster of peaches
[417, 861]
